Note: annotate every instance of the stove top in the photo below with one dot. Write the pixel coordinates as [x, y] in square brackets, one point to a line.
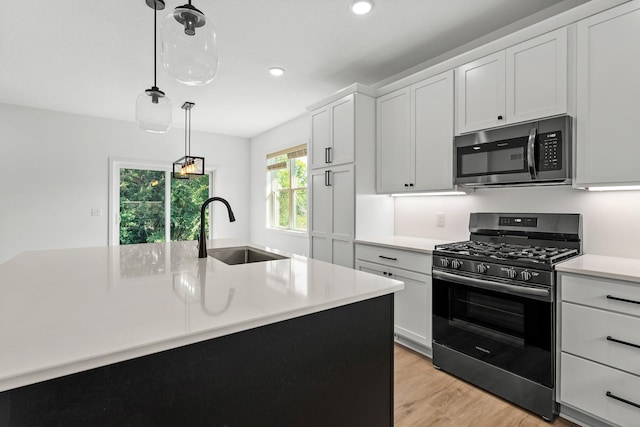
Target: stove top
[494, 251]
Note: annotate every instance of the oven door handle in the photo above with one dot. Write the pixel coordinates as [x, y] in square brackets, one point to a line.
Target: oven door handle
[494, 286]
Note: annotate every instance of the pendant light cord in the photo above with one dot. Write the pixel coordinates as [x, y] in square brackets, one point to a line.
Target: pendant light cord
[155, 48]
[185, 135]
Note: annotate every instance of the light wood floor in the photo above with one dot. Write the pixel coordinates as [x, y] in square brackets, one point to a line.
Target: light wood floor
[425, 396]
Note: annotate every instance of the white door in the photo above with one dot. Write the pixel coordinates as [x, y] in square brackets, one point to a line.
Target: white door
[342, 183]
[432, 133]
[608, 92]
[320, 137]
[537, 77]
[343, 131]
[320, 207]
[481, 93]
[393, 151]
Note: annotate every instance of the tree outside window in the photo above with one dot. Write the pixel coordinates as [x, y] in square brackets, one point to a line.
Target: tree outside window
[287, 178]
[144, 206]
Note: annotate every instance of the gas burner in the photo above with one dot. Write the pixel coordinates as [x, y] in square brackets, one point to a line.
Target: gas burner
[507, 251]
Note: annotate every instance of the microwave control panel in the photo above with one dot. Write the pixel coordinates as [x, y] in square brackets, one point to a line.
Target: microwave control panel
[550, 151]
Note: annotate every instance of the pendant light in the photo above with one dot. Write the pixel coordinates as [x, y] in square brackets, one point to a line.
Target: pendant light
[188, 166]
[189, 49]
[153, 107]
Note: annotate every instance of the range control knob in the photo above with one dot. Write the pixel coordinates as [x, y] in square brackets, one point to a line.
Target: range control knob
[481, 268]
[455, 264]
[444, 262]
[525, 275]
[511, 273]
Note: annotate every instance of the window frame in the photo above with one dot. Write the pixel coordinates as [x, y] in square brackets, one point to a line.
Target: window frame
[271, 197]
[115, 164]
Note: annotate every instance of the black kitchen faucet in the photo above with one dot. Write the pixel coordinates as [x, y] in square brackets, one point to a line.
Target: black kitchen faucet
[202, 239]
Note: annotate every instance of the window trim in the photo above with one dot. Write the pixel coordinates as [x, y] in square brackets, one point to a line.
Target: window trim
[115, 164]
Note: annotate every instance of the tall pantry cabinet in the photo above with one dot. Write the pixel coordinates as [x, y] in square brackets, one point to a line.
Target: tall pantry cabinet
[343, 202]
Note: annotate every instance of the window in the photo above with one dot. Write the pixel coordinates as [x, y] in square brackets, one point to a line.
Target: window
[149, 206]
[287, 178]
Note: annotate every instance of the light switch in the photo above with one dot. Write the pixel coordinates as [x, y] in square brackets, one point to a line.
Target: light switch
[96, 212]
[439, 219]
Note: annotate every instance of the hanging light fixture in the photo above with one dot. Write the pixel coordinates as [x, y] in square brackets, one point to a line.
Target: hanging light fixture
[189, 49]
[188, 166]
[153, 107]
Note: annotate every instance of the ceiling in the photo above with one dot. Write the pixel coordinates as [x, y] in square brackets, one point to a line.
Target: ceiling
[95, 57]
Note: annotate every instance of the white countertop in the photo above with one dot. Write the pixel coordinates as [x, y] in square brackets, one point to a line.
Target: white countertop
[417, 244]
[603, 266]
[65, 311]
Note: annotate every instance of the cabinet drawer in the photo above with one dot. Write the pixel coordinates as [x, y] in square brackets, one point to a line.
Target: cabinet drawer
[601, 293]
[585, 331]
[414, 261]
[584, 385]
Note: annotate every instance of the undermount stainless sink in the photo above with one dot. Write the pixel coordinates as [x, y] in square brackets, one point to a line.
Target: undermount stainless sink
[243, 255]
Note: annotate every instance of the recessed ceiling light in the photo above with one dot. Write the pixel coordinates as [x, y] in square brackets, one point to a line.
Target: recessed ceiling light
[361, 7]
[276, 71]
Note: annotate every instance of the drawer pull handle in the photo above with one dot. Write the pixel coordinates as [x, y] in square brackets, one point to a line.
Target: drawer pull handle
[628, 402]
[387, 257]
[610, 338]
[622, 299]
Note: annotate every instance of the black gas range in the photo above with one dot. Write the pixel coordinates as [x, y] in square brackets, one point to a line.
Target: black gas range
[494, 304]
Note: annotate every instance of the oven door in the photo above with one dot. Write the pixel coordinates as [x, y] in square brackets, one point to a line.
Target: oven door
[505, 325]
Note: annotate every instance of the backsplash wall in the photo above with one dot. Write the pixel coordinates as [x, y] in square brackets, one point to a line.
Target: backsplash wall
[611, 220]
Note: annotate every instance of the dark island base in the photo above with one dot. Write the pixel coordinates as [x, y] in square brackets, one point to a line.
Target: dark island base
[332, 368]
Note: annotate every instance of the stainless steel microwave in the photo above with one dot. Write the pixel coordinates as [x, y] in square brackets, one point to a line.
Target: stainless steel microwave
[531, 153]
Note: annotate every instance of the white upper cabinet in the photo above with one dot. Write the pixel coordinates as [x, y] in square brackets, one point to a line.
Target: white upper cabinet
[415, 137]
[333, 133]
[524, 82]
[608, 68]
[481, 98]
[393, 141]
[537, 77]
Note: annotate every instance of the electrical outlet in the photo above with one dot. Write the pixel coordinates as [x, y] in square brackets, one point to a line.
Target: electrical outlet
[96, 212]
[439, 219]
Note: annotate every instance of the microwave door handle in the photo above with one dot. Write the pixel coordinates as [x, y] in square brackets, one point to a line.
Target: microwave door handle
[531, 152]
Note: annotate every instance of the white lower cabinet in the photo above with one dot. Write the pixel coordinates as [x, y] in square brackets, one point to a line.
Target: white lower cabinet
[412, 305]
[600, 348]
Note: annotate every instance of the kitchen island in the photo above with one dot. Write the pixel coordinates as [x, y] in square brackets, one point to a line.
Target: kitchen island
[151, 335]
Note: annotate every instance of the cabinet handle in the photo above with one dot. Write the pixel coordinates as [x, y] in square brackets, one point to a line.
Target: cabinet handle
[610, 338]
[628, 402]
[387, 257]
[622, 299]
[406, 185]
[327, 155]
[411, 185]
[499, 117]
[327, 178]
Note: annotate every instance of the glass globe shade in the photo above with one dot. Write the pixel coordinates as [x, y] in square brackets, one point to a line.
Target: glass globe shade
[153, 111]
[189, 49]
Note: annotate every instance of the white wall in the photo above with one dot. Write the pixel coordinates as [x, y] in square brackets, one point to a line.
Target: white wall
[611, 220]
[55, 169]
[290, 134]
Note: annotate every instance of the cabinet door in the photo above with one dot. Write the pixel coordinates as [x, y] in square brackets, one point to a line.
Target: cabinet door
[342, 131]
[342, 183]
[320, 208]
[320, 137]
[432, 133]
[332, 207]
[607, 93]
[537, 77]
[412, 306]
[481, 93]
[393, 146]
